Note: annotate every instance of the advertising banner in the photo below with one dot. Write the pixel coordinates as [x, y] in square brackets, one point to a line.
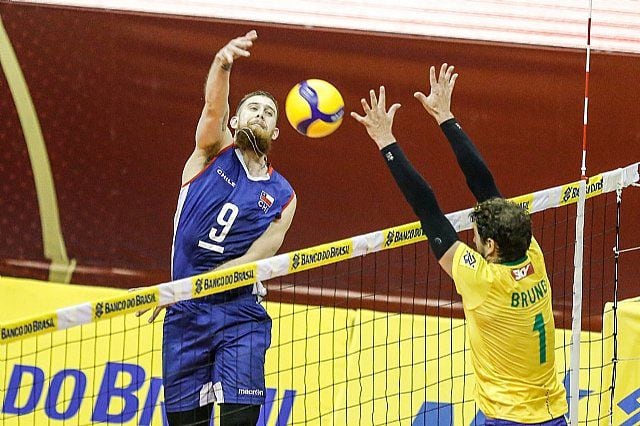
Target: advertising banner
[325, 366]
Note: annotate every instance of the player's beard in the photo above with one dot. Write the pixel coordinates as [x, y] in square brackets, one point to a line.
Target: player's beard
[254, 138]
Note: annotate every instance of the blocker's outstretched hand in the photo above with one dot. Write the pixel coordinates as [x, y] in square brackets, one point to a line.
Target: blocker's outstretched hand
[438, 103]
[377, 120]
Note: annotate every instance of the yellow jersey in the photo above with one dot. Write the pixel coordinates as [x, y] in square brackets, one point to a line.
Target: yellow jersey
[511, 335]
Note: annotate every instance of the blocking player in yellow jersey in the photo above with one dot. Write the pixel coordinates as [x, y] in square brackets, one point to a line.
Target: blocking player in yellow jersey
[507, 303]
[506, 294]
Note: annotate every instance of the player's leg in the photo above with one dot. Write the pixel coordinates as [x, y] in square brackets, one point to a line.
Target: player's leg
[239, 414]
[238, 373]
[186, 366]
[200, 416]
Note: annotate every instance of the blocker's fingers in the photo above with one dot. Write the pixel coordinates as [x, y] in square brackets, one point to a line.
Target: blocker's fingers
[358, 118]
[421, 97]
[453, 80]
[374, 100]
[447, 75]
[365, 105]
[432, 76]
[443, 70]
[383, 98]
[393, 109]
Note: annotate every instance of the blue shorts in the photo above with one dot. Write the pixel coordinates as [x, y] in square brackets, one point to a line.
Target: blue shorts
[560, 421]
[214, 351]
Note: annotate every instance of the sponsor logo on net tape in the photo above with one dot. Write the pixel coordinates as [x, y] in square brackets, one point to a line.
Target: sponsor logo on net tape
[320, 255]
[403, 235]
[223, 280]
[524, 201]
[130, 302]
[28, 328]
[570, 192]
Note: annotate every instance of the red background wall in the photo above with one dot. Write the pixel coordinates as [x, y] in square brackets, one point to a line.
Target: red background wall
[118, 97]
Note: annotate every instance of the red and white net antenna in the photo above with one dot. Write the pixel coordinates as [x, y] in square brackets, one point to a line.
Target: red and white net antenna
[578, 255]
[583, 168]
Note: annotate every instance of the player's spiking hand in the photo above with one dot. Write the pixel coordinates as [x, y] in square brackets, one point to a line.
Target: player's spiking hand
[236, 48]
[377, 120]
[438, 103]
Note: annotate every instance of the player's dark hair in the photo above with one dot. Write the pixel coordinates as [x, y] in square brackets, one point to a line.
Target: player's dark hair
[258, 93]
[506, 223]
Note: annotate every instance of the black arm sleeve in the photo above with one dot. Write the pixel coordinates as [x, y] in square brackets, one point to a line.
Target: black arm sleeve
[479, 178]
[416, 190]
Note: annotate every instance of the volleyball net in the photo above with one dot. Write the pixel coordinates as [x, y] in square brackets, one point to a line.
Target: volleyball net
[366, 330]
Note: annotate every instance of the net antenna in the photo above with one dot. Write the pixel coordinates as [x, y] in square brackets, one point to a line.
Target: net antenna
[578, 256]
[583, 168]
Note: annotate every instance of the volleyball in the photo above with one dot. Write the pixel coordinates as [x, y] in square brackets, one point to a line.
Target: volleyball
[314, 108]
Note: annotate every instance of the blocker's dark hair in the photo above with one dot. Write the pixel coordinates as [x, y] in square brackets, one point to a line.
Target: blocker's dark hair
[506, 223]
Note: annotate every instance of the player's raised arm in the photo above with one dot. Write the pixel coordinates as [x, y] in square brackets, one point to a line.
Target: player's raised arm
[212, 133]
[438, 104]
[378, 122]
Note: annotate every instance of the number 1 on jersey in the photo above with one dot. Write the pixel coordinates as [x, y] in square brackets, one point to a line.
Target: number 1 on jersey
[225, 219]
[538, 325]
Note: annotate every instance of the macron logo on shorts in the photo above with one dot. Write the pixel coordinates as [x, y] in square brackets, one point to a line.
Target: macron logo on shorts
[251, 392]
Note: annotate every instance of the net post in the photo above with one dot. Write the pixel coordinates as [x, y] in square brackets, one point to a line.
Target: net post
[576, 313]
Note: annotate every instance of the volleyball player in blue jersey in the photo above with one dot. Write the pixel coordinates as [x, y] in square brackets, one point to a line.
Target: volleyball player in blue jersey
[233, 208]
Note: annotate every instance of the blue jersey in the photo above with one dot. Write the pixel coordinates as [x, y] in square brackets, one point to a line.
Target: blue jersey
[222, 211]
